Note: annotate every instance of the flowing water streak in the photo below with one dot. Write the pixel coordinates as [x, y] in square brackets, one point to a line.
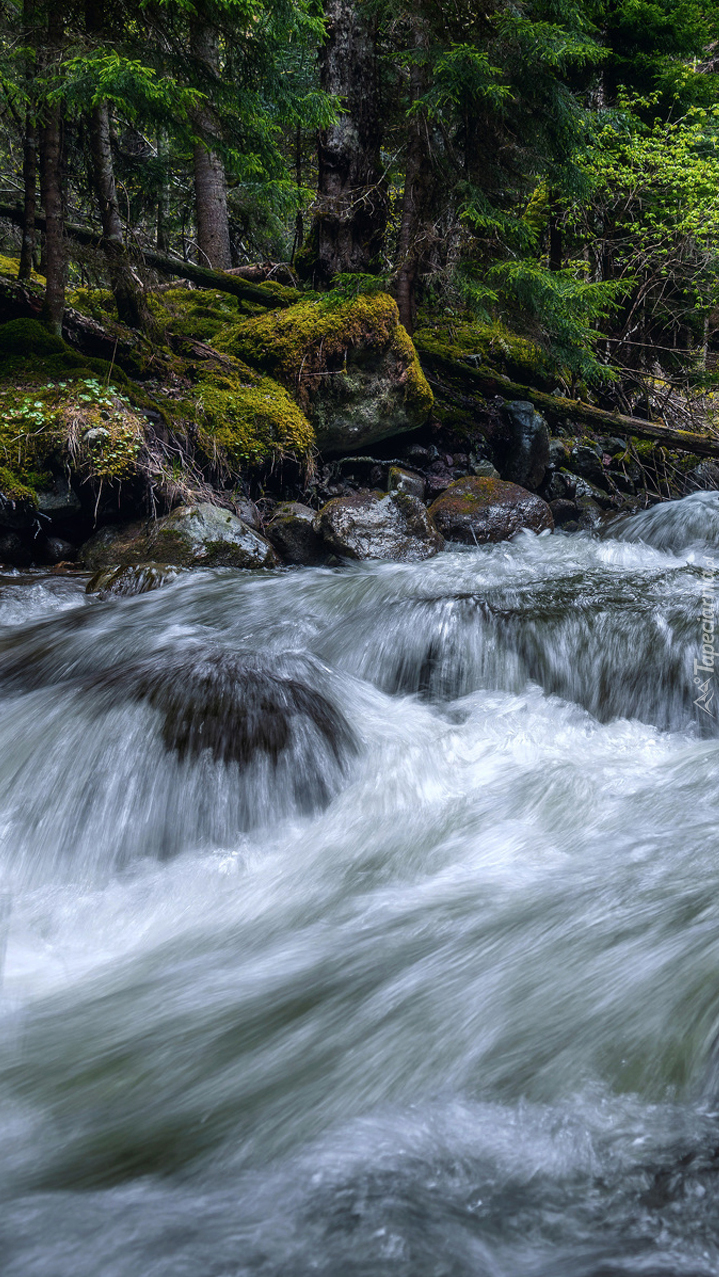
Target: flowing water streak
[365, 920]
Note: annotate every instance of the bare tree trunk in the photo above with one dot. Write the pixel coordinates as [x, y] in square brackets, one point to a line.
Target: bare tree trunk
[125, 284]
[213, 230]
[29, 162]
[417, 185]
[51, 141]
[352, 204]
[163, 201]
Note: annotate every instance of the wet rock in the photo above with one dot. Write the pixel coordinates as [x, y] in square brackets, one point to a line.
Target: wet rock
[136, 579]
[401, 480]
[438, 481]
[584, 490]
[586, 459]
[192, 536]
[247, 511]
[54, 550]
[563, 512]
[478, 510]
[485, 470]
[367, 526]
[15, 551]
[16, 513]
[558, 453]
[527, 455]
[59, 502]
[238, 709]
[560, 486]
[292, 532]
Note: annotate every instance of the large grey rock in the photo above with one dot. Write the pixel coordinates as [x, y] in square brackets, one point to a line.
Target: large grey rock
[476, 510]
[292, 533]
[192, 536]
[527, 455]
[367, 526]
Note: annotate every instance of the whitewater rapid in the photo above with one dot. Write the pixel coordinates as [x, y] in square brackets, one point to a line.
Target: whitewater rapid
[365, 919]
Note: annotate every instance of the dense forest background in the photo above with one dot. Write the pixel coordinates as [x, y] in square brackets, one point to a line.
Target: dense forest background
[545, 171]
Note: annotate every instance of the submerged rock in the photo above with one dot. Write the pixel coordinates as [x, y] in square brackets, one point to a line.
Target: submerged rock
[135, 579]
[292, 533]
[240, 709]
[475, 510]
[367, 526]
[192, 536]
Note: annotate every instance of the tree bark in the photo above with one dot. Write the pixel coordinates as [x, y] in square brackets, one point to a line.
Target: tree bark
[417, 183]
[51, 141]
[213, 229]
[125, 283]
[352, 204]
[29, 163]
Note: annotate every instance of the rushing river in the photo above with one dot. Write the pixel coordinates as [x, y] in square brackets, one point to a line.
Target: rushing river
[365, 920]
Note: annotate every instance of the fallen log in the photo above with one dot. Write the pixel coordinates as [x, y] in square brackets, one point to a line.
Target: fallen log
[278, 299]
[557, 410]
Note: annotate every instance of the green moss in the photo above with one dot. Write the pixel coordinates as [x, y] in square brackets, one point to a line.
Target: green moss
[13, 489]
[296, 345]
[98, 303]
[28, 338]
[192, 312]
[492, 346]
[316, 337]
[10, 266]
[244, 419]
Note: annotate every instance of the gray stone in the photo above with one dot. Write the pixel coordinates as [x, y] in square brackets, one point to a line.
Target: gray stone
[56, 550]
[585, 459]
[367, 526]
[479, 510]
[248, 512]
[292, 532]
[527, 457]
[401, 480]
[59, 503]
[192, 536]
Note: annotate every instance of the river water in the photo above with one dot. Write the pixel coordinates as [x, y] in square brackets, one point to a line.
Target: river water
[365, 920]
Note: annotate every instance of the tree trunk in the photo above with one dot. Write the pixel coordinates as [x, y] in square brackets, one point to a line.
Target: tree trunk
[125, 284]
[213, 230]
[417, 184]
[163, 199]
[51, 142]
[29, 162]
[352, 204]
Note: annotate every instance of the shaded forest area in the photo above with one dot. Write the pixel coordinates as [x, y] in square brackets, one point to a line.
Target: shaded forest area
[536, 185]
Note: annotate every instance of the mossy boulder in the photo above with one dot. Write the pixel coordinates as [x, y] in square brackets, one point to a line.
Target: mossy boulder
[202, 535]
[476, 510]
[243, 419]
[350, 365]
[368, 526]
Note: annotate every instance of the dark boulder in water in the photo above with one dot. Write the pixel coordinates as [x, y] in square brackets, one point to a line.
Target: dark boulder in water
[125, 582]
[292, 533]
[239, 709]
[476, 510]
